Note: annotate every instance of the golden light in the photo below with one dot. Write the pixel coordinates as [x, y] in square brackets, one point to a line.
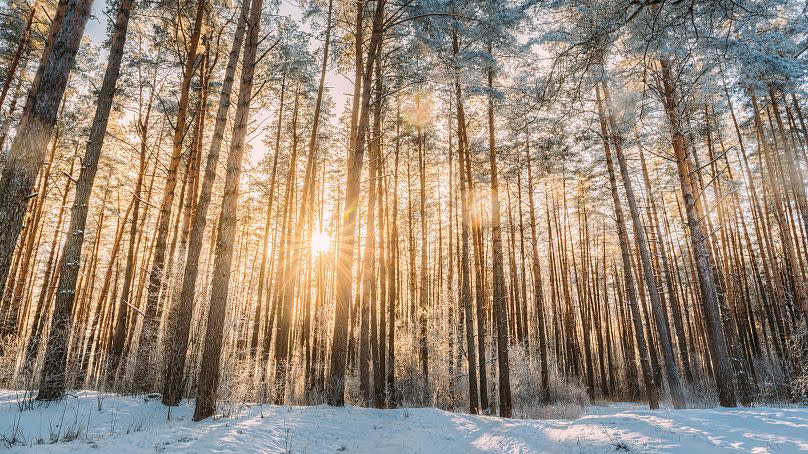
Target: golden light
[419, 112]
[320, 242]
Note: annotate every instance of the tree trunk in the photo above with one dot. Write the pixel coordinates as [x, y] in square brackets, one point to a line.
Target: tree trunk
[52, 384]
[538, 291]
[336, 379]
[286, 273]
[29, 148]
[148, 335]
[118, 333]
[393, 268]
[379, 337]
[209, 368]
[500, 301]
[423, 297]
[48, 282]
[177, 338]
[671, 371]
[722, 366]
[465, 271]
[628, 275]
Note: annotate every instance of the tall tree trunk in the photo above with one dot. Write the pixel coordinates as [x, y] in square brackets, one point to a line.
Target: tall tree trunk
[500, 301]
[719, 354]
[148, 335]
[480, 294]
[671, 371]
[393, 268]
[465, 271]
[379, 337]
[287, 273]
[663, 258]
[368, 296]
[278, 257]
[423, 298]
[177, 338]
[52, 383]
[29, 148]
[12, 302]
[538, 291]
[628, 275]
[307, 202]
[336, 379]
[118, 333]
[211, 355]
[48, 281]
[99, 315]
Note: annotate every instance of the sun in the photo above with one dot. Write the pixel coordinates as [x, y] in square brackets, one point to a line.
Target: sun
[320, 242]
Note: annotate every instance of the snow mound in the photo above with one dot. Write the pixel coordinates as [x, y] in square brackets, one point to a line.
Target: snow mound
[138, 424]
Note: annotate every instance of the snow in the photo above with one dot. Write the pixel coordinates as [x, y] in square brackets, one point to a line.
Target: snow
[136, 424]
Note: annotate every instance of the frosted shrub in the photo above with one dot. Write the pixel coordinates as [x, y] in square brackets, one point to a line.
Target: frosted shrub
[771, 382]
[799, 344]
[701, 395]
[10, 346]
[352, 394]
[568, 399]
[409, 379]
[410, 385]
[236, 386]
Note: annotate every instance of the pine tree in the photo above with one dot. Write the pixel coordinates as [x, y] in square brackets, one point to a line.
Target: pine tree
[211, 355]
[53, 373]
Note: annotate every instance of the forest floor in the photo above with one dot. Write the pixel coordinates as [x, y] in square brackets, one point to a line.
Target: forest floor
[137, 424]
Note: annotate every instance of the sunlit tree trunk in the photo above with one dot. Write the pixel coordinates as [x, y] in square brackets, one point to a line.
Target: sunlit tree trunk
[423, 297]
[177, 336]
[123, 304]
[209, 367]
[29, 147]
[722, 366]
[148, 336]
[42, 310]
[52, 383]
[393, 273]
[287, 272]
[336, 379]
[499, 291]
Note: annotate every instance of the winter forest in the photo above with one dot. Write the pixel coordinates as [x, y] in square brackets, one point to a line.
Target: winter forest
[515, 208]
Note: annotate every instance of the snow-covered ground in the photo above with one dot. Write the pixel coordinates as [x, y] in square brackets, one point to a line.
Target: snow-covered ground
[135, 424]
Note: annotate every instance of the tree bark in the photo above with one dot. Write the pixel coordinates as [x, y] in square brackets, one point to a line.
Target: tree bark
[538, 290]
[336, 379]
[148, 335]
[719, 354]
[499, 292]
[211, 355]
[29, 147]
[671, 371]
[177, 338]
[52, 383]
[628, 275]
